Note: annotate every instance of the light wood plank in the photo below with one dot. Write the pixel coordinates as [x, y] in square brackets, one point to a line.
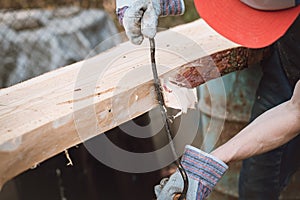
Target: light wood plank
[41, 117]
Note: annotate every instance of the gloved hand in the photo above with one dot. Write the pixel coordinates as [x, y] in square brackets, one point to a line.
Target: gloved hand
[140, 17]
[204, 171]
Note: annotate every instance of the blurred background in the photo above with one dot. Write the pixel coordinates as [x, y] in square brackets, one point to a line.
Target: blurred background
[37, 36]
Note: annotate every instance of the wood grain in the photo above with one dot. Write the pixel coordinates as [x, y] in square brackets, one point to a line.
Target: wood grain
[44, 116]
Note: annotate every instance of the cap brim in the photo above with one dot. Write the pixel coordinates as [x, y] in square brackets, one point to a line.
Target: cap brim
[244, 25]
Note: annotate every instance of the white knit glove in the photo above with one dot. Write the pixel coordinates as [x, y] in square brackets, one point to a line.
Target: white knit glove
[140, 17]
[203, 170]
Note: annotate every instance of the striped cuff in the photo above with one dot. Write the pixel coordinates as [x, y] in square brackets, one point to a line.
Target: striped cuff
[172, 7]
[202, 166]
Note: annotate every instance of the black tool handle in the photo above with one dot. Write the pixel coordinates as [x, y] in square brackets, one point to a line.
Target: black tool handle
[164, 115]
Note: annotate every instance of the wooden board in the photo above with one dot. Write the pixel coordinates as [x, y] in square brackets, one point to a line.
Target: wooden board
[44, 116]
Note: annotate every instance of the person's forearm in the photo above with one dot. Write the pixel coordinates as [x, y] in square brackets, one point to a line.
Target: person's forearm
[270, 130]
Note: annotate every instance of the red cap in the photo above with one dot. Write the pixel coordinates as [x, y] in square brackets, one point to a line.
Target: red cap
[244, 25]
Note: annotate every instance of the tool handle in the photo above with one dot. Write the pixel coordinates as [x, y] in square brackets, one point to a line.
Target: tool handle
[163, 110]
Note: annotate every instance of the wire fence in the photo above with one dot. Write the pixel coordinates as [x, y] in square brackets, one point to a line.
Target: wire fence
[40, 36]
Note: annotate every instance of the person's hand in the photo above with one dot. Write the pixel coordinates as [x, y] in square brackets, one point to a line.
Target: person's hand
[140, 17]
[204, 171]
